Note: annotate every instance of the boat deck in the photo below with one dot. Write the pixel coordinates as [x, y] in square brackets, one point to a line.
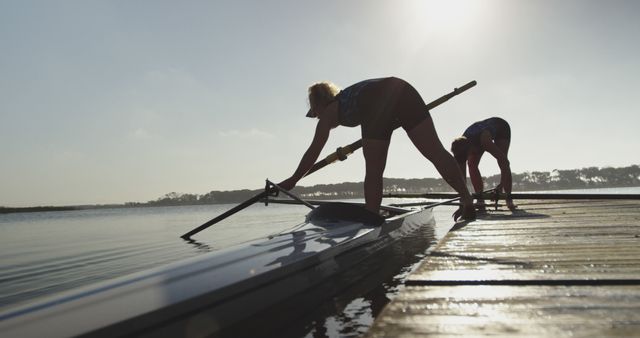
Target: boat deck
[552, 269]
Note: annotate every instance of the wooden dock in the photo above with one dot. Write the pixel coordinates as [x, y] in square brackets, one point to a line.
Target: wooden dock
[567, 268]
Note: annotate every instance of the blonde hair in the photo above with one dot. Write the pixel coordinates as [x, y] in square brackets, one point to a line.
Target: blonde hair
[460, 148]
[321, 93]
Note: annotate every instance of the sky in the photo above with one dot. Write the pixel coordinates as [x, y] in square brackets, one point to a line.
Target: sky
[117, 101]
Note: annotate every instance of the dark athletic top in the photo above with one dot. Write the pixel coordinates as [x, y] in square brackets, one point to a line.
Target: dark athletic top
[497, 127]
[349, 112]
[380, 105]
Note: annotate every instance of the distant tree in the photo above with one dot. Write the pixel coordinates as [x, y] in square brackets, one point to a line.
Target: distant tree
[592, 176]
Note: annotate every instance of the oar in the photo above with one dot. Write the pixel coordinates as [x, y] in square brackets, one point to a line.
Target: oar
[343, 152]
[226, 214]
[340, 154]
[268, 189]
[452, 197]
[527, 196]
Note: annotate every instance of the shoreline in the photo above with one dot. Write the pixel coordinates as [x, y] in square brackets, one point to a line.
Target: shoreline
[13, 210]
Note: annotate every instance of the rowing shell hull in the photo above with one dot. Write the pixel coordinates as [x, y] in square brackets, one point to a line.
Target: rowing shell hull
[206, 294]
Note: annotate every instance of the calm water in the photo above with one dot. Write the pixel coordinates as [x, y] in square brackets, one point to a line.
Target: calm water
[48, 252]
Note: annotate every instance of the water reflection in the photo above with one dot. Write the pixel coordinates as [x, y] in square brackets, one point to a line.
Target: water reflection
[298, 252]
[199, 246]
[373, 283]
[345, 305]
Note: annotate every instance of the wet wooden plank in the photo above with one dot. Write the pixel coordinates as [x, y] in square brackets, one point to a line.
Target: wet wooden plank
[585, 240]
[554, 268]
[511, 311]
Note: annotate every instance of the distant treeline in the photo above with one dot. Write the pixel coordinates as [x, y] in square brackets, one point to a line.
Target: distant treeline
[585, 178]
[5, 210]
[592, 177]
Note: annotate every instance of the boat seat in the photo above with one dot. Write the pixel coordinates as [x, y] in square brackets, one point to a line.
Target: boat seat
[339, 211]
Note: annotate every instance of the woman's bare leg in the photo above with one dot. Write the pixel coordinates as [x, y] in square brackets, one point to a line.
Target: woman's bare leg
[506, 180]
[375, 156]
[425, 138]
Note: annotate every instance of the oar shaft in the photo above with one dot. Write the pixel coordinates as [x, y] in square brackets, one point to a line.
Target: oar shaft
[563, 196]
[454, 199]
[343, 152]
[226, 214]
[437, 195]
[291, 195]
[532, 196]
[445, 98]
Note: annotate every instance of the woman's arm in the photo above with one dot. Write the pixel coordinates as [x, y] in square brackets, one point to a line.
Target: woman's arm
[311, 155]
[462, 164]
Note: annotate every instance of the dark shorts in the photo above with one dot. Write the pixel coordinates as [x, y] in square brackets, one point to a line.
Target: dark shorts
[390, 105]
[503, 130]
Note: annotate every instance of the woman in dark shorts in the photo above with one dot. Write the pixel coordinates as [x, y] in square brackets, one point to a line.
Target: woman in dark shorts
[379, 106]
[492, 135]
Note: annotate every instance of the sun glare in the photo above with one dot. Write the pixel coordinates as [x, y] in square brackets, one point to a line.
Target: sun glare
[445, 16]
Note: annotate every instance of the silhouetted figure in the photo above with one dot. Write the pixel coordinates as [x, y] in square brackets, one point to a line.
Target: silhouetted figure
[378, 106]
[492, 135]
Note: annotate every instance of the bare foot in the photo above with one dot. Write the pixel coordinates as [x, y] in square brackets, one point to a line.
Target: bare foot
[467, 213]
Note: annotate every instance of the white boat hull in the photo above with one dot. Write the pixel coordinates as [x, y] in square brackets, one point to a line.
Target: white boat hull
[206, 294]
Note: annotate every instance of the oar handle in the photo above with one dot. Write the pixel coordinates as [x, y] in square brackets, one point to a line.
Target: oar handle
[342, 152]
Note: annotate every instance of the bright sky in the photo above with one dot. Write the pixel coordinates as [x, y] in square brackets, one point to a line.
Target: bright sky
[116, 101]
